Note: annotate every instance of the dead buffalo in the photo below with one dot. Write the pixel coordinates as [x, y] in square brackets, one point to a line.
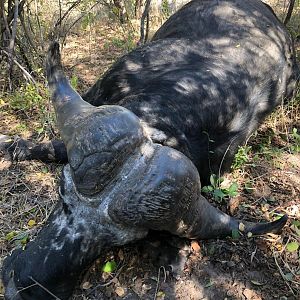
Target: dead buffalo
[165, 115]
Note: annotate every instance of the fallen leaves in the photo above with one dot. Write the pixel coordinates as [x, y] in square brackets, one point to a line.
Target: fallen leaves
[251, 295]
[195, 246]
[86, 285]
[242, 227]
[121, 254]
[234, 203]
[31, 223]
[120, 291]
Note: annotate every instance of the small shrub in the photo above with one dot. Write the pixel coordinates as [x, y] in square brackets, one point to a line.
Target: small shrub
[30, 105]
[27, 98]
[127, 43]
[218, 192]
[241, 157]
[74, 82]
[295, 147]
[165, 8]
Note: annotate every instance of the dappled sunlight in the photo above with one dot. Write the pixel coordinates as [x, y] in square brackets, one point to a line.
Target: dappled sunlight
[28, 191]
[268, 182]
[215, 282]
[97, 49]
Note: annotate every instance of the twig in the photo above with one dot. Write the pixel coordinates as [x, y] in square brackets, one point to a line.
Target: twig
[289, 12]
[27, 34]
[10, 16]
[223, 158]
[6, 27]
[60, 12]
[282, 274]
[121, 11]
[158, 280]
[62, 17]
[39, 25]
[24, 289]
[147, 27]
[142, 39]
[291, 271]
[137, 8]
[26, 74]
[45, 289]
[253, 254]
[12, 43]
[77, 20]
[107, 283]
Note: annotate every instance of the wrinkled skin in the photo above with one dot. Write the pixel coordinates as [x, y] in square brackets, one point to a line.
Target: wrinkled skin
[170, 112]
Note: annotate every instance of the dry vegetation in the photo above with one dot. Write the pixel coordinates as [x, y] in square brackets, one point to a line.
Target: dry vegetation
[266, 170]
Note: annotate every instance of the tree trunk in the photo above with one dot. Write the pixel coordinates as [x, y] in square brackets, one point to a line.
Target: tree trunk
[122, 14]
[145, 16]
[289, 12]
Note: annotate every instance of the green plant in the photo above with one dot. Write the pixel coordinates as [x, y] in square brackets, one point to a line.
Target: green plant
[127, 43]
[130, 42]
[26, 98]
[117, 42]
[109, 267]
[165, 8]
[269, 147]
[88, 20]
[241, 157]
[74, 81]
[29, 98]
[22, 127]
[295, 147]
[249, 187]
[218, 192]
[20, 239]
[32, 101]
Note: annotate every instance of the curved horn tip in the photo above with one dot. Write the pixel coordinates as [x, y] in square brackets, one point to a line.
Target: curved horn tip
[54, 46]
[271, 227]
[280, 223]
[54, 54]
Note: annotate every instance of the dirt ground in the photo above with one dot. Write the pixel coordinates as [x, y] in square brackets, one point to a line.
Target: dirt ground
[163, 266]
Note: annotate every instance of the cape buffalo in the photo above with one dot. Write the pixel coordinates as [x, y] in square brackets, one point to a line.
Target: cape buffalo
[164, 117]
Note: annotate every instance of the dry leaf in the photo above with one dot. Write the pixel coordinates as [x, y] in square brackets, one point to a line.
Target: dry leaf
[161, 295]
[120, 291]
[241, 227]
[234, 203]
[5, 164]
[105, 276]
[121, 254]
[248, 294]
[138, 283]
[146, 287]
[195, 246]
[86, 285]
[31, 223]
